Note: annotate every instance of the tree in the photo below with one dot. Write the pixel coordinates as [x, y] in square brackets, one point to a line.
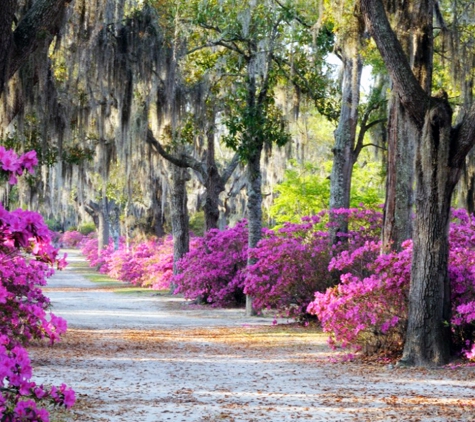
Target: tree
[35, 29]
[348, 50]
[258, 44]
[208, 174]
[354, 120]
[440, 153]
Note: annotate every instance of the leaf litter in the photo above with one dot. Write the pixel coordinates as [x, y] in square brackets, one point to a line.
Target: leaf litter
[149, 358]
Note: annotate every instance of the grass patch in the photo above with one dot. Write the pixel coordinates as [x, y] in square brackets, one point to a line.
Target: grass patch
[101, 278]
[133, 290]
[120, 287]
[104, 281]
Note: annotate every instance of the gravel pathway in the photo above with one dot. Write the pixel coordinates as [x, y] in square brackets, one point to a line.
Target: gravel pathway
[152, 358]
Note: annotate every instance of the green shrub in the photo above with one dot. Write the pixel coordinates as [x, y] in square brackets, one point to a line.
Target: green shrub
[86, 228]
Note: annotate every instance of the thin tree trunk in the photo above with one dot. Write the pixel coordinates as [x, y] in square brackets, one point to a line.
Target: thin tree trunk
[99, 214]
[6, 38]
[254, 209]
[213, 185]
[402, 136]
[103, 229]
[114, 221]
[179, 216]
[345, 135]
[155, 216]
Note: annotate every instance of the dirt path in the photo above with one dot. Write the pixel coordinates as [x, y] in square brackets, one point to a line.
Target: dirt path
[150, 358]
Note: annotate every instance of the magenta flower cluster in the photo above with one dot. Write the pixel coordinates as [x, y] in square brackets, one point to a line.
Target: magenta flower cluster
[214, 271]
[291, 264]
[13, 165]
[146, 263]
[359, 295]
[71, 239]
[368, 309]
[26, 257]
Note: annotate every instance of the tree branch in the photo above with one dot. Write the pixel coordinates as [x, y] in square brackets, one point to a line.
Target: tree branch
[6, 20]
[228, 171]
[373, 145]
[465, 139]
[184, 161]
[41, 21]
[230, 46]
[270, 58]
[412, 96]
[295, 16]
[374, 123]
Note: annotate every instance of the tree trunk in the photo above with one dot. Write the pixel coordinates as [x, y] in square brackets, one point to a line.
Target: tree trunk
[402, 133]
[428, 333]
[99, 215]
[402, 136]
[440, 154]
[345, 135]
[254, 209]
[466, 186]
[114, 221]
[155, 217]
[179, 215]
[41, 22]
[6, 38]
[103, 229]
[213, 182]
[214, 186]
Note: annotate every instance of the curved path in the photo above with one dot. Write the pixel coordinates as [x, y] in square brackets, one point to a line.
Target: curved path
[152, 358]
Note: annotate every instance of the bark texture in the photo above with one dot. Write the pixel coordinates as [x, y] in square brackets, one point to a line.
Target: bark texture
[100, 216]
[402, 133]
[155, 217]
[6, 39]
[179, 215]
[428, 335]
[402, 137]
[254, 209]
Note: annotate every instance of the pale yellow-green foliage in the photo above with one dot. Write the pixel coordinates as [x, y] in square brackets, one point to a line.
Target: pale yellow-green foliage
[306, 191]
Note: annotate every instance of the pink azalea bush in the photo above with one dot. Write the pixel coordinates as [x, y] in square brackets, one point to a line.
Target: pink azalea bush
[214, 271]
[368, 309]
[13, 165]
[26, 254]
[291, 264]
[89, 248]
[72, 239]
[147, 263]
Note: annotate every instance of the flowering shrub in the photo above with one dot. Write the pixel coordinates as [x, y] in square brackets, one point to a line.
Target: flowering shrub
[368, 310]
[158, 267]
[25, 256]
[89, 248]
[147, 263]
[72, 239]
[215, 269]
[292, 263]
[12, 165]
